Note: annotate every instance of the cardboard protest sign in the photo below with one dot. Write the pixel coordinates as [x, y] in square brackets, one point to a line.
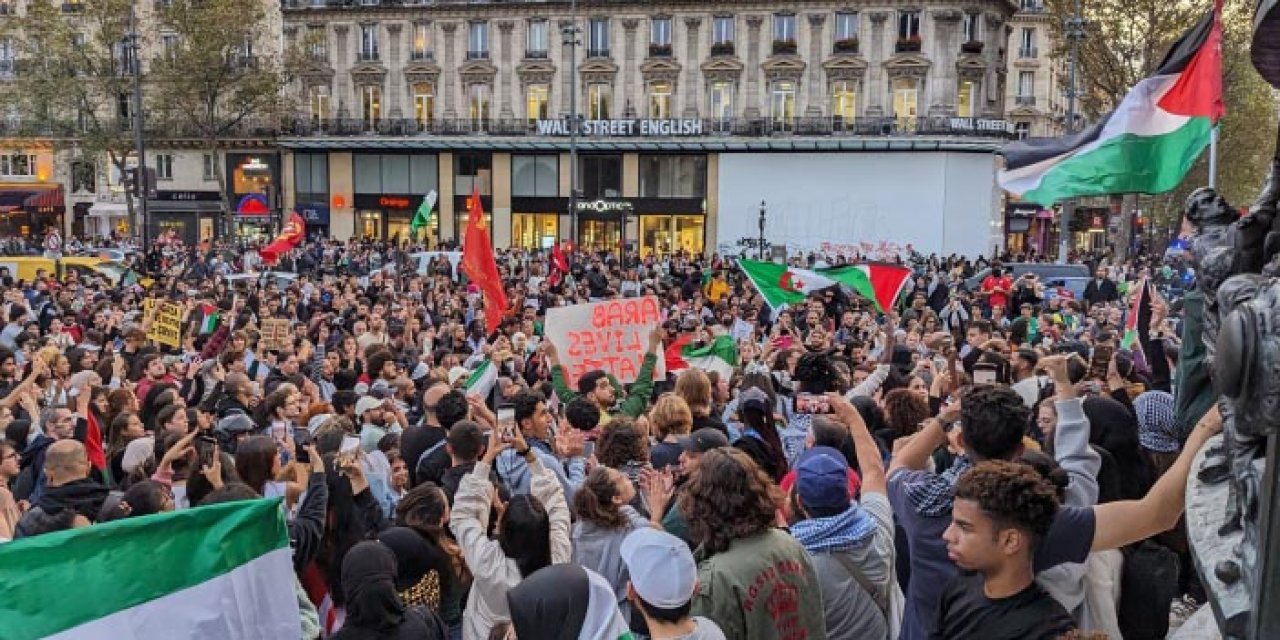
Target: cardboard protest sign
[148, 310]
[612, 336]
[166, 326]
[274, 335]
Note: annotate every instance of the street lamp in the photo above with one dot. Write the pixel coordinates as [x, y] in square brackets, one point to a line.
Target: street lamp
[760, 247]
[569, 37]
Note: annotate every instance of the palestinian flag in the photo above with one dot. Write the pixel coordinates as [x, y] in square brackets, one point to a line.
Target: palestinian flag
[210, 316]
[1139, 314]
[482, 379]
[222, 571]
[720, 355]
[782, 285]
[1146, 145]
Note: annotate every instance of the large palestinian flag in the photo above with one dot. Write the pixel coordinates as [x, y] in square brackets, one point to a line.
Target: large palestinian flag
[1146, 145]
[782, 285]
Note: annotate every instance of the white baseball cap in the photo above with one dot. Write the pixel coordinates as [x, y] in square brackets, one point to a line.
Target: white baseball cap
[662, 569]
[366, 403]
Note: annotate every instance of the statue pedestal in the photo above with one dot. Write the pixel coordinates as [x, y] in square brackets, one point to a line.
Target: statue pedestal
[1205, 515]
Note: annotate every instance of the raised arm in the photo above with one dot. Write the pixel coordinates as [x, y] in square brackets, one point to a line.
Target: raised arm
[870, 464]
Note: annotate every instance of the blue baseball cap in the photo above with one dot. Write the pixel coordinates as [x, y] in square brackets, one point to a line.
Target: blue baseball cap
[822, 478]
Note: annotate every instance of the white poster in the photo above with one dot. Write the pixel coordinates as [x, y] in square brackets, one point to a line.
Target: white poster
[612, 336]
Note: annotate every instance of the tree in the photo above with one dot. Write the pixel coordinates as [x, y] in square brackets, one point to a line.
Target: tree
[1127, 39]
[73, 81]
[223, 74]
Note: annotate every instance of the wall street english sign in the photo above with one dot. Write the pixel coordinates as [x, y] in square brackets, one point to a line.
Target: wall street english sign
[638, 127]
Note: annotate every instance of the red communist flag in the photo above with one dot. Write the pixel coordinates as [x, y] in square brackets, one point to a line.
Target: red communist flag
[290, 236]
[479, 265]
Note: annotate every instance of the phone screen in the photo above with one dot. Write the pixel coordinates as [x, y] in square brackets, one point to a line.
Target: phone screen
[506, 422]
[812, 403]
[984, 377]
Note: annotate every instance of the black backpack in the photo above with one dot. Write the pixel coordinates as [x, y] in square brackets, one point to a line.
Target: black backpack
[1148, 585]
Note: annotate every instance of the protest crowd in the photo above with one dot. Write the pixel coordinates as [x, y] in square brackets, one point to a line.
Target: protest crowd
[603, 446]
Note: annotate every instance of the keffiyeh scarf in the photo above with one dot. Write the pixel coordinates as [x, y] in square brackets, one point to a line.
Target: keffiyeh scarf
[933, 497]
[835, 533]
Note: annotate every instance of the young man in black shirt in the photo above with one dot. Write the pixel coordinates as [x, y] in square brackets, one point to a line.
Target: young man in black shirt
[1001, 512]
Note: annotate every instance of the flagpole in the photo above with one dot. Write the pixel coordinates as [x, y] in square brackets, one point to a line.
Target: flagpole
[1213, 158]
[1075, 33]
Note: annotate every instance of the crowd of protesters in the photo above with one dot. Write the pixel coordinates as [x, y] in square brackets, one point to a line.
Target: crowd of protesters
[979, 462]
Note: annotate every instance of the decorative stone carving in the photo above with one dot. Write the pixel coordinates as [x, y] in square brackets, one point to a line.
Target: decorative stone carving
[971, 66]
[341, 29]
[474, 71]
[692, 22]
[660, 70]
[722, 69]
[449, 28]
[368, 73]
[783, 68]
[505, 27]
[598, 70]
[421, 71]
[947, 15]
[535, 72]
[878, 17]
[845, 67]
[817, 19]
[993, 20]
[630, 24]
[754, 21]
[393, 29]
[911, 65]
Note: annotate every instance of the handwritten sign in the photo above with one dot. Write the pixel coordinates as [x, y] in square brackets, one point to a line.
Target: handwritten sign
[612, 336]
[148, 310]
[274, 335]
[166, 327]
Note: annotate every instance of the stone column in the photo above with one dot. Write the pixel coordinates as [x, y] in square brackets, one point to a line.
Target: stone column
[752, 70]
[942, 81]
[505, 63]
[629, 98]
[395, 72]
[692, 89]
[877, 89]
[816, 90]
[342, 91]
[568, 69]
[448, 76]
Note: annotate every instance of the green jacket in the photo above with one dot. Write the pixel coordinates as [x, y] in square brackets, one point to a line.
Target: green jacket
[636, 401]
[762, 588]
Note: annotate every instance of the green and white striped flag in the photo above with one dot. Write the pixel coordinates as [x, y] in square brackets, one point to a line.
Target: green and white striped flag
[482, 379]
[223, 571]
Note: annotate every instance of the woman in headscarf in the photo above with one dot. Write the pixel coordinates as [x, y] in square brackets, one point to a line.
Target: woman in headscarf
[374, 607]
[565, 602]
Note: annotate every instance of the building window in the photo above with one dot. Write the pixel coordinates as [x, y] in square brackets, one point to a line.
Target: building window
[1026, 87]
[84, 177]
[598, 38]
[536, 39]
[311, 177]
[421, 41]
[782, 102]
[472, 170]
[371, 105]
[1027, 47]
[660, 100]
[318, 42]
[665, 235]
[908, 25]
[210, 162]
[906, 98]
[972, 27]
[424, 103]
[535, 230]
[598, 101]
[536, 101]
[967, 93]
[368, 42]
[124, 109]
[478, 103]
[318, 103]
[17, 165]
[660, 32]
[844, 100]
[6, 56]
[846, 26]
[169, 46]
[600, 176]
[722, 28]
[673, 176]
[721, 100]
[164, 166]
[1022, 130]
[784, 27]
[535, 176]
[478, 41]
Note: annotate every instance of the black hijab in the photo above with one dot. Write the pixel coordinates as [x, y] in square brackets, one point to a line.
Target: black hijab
[551, 604]
[369, 580]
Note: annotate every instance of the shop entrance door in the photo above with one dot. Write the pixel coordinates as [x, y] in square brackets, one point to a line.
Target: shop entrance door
[599, 235]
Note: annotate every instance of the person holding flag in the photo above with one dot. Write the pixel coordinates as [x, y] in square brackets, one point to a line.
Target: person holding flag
[422, 218]
[479, 265]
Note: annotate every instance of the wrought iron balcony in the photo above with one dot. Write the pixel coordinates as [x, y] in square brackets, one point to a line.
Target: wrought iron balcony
[598, 53]
[368, 55]
[1028, 52]
[1025, 101]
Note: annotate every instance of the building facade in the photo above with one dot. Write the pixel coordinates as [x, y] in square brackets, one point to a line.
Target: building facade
[676, 100]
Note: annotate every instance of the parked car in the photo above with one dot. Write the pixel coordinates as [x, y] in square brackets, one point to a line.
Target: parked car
[282, 279]
[1065, 277]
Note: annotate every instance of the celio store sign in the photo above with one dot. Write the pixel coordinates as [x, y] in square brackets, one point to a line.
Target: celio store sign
[624, 128]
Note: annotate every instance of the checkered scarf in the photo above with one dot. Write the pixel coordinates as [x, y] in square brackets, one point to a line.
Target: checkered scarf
[1157, 429]
[933, 498]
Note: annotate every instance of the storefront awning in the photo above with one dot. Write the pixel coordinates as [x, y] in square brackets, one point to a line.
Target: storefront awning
[108, 210]
[31, 196]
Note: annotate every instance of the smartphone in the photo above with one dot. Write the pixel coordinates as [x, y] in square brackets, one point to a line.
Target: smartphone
[1102, 354]
[506, 423]
[984, 374]
[812, 403]
[205, 448]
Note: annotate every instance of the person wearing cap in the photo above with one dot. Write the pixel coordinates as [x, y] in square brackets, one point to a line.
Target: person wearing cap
[602, 389]
[663, 579]
[372, 414]
[1028, 385]
[849, 541]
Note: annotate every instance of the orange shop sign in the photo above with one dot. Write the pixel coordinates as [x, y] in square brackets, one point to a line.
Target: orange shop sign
[393, 202]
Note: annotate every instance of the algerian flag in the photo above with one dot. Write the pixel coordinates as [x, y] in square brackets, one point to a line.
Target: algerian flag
[782, 285]
[423, 217]
[482, 379]
[719, 355]
[223, 571]
[1146, 145]
[209, 323]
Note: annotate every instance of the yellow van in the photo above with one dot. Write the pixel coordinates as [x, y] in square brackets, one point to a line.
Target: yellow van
[28, 268]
